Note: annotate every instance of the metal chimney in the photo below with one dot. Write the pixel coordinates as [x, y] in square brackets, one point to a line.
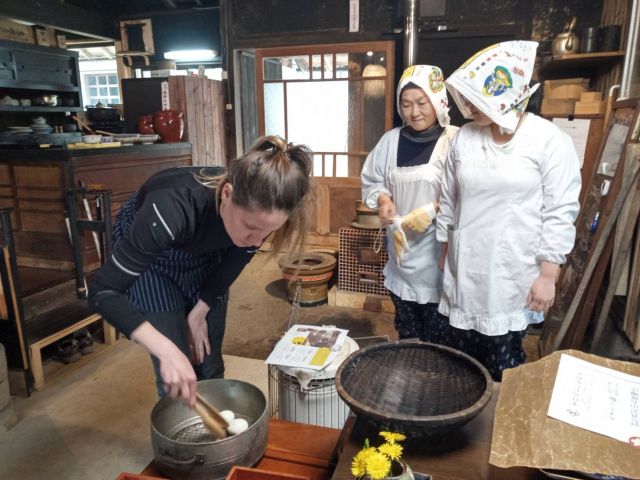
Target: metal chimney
[410, 32]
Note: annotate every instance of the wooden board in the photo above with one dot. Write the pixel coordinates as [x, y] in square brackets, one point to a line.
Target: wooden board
[631, 323]
[569, 317]
[202, 104]
[363, 301]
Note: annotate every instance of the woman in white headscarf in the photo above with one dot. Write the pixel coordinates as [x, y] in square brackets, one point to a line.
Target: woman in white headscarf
[509, 201]
[401, 179]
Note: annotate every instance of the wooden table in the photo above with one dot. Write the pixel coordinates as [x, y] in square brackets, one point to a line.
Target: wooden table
[322, 453]
[464, 455]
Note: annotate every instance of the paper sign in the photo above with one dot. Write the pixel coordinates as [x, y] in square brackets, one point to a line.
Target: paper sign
[578, 130]
[308, 346]
[354, 15]
[598, 399]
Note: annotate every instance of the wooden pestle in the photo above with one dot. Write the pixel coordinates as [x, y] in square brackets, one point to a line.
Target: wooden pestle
[211, 417]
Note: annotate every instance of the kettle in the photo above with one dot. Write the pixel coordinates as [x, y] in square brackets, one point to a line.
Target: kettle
[566, 42]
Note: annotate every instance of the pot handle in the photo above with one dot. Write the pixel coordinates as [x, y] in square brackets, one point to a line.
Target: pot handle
[195, 460]
[569, 43]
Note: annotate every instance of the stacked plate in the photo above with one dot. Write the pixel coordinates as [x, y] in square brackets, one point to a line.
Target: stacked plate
[20, 129]
[41, 129]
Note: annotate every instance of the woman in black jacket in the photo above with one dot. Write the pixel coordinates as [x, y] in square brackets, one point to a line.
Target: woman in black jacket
[182, 240]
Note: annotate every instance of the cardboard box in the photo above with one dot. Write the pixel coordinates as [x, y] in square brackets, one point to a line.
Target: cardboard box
[554, 107]
[565, 89]
[589, 108]
[590, 96]
[16, 32]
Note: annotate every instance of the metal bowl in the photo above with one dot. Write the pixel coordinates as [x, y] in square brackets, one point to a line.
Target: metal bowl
[46, 100]
[184, 449]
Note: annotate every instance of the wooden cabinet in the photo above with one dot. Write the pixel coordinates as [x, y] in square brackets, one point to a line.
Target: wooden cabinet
[34, 183]
[30, 71]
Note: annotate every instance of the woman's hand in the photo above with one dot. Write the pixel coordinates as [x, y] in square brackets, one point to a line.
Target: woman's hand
[176, 371]
[444, 247]
[386, 208]
[543, 290]
[199, 332]
[178, 376]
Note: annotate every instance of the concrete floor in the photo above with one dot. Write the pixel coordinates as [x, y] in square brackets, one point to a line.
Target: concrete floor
[94, 422]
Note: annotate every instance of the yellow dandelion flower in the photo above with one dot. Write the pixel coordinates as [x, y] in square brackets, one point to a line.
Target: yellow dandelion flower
[378, 466]
[391, 450]
[393, 437]
[359, 463]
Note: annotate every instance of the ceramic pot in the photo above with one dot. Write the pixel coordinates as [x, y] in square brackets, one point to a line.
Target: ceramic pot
[169, 125]
[400, 471]
[145, 125]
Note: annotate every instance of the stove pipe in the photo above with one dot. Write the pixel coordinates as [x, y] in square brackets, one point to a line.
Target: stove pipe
[410, 32]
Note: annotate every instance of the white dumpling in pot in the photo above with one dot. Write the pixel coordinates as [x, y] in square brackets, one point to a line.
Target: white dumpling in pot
[237, 425]
[228, 415]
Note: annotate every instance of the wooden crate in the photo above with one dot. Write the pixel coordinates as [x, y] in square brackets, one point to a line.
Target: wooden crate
[246, 473]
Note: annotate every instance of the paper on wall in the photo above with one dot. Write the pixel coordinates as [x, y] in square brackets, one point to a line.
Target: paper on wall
[598, 399]
[578, 130]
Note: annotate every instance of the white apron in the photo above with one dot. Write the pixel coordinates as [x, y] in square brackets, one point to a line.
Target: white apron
[418, 279]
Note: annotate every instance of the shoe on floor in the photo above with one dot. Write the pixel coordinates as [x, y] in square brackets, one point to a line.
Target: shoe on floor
[85, 341]
[67, 350]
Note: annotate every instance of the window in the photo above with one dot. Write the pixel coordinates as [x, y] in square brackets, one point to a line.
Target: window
[336, 99]
[102, 88]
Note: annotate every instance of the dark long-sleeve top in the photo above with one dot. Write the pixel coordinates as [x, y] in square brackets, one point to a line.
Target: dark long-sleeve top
[175, 211]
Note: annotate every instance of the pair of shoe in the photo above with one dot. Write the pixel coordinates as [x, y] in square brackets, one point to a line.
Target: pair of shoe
[71, 348]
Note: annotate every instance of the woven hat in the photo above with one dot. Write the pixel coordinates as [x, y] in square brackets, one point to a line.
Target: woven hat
[496, 81]
[431, 80]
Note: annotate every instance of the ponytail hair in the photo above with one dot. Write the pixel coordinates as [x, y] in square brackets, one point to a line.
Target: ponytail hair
[272, 175]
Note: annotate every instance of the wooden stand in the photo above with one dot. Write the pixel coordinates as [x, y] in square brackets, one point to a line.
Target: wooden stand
[363, 301]
[36, 347]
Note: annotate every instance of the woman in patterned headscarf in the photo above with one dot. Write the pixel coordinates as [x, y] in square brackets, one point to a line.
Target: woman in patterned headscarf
[509, 200]
[401, 179]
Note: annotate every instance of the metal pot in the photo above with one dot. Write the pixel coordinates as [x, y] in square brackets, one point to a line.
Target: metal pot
[102, 114]
[184, 449]
[566, 42]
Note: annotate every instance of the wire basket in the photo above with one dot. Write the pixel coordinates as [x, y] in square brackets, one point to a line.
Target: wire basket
[309, 396]
[317, 404]
[414, 387]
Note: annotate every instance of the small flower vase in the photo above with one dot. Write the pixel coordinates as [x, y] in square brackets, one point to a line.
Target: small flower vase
[400, 471]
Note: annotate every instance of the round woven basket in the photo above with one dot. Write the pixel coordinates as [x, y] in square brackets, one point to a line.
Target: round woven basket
[414, 387]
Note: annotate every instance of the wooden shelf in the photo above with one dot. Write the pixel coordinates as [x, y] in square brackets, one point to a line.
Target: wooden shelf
[38, 108]
[579, 60]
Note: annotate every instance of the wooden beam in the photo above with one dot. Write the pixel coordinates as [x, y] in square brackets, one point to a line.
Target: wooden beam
[61, 16]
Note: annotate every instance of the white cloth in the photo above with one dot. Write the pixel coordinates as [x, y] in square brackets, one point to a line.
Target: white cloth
[503, 210]
[431, 80]
[496, 80]
[418, 279]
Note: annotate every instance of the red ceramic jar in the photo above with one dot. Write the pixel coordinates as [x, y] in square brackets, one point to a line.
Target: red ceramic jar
[145, 125]
[169, 125]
